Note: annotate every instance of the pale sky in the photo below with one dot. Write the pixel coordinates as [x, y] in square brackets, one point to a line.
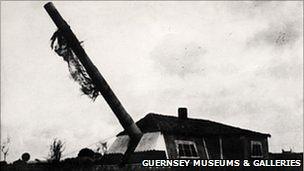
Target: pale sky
[238, 63]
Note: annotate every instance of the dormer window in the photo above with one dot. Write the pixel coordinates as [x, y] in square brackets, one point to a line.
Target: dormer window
[186, 149]
[256, 149]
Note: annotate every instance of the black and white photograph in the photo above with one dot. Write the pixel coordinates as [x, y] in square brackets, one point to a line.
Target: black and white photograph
[151, 85]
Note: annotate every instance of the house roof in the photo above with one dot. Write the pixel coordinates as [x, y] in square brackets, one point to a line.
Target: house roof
[195, 127]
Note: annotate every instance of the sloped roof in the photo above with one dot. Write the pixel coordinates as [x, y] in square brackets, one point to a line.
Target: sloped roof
[195, 127]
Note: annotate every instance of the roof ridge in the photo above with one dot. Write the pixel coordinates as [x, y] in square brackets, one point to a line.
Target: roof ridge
[163, 122]
[207, 120]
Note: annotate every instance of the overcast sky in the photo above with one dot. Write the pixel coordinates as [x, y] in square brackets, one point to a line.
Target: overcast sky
[238, 63]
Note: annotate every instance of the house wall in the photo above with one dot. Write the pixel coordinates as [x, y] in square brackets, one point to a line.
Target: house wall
[213, 147]
[233, 147]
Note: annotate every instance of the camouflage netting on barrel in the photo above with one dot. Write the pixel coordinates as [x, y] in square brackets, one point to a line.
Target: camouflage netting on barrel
[77, 71]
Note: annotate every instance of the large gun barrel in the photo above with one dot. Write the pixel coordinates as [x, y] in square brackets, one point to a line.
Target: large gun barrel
[98, 80]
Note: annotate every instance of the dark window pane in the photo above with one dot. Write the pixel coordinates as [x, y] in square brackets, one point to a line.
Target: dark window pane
[256, 150]
[181, 150]
[187, 150]
[193, 151]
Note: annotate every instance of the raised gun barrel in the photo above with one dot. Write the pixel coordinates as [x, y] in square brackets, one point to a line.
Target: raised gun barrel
[124, 118]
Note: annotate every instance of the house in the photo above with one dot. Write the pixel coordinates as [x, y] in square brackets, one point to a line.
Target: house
[184, 137]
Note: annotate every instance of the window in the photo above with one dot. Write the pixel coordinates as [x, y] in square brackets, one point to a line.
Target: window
[186, 149]
[256, 149]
